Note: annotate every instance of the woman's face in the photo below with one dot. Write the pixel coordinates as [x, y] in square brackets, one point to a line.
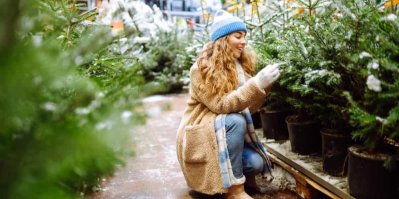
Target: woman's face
[236, 42]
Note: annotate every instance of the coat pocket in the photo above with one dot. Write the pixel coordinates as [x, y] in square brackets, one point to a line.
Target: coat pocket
[195, 144]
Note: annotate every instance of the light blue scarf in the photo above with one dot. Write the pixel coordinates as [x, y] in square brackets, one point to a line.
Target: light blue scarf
[251, 139]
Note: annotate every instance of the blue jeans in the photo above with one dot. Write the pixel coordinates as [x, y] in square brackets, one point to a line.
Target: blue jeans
[244, 160]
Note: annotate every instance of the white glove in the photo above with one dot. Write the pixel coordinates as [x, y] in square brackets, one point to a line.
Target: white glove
[267, 75]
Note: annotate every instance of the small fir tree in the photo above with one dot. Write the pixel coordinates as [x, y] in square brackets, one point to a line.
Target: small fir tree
[375, 113]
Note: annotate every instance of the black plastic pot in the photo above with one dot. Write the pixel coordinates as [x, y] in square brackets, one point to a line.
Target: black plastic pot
[334, 151]
[367, 176]
[304, 135]
[273, 124]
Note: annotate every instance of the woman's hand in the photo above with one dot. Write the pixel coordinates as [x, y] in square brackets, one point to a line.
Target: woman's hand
[267, 75]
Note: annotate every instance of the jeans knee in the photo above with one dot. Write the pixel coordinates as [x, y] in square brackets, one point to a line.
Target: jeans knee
[257, 163]
[253, 162]
[237, 122]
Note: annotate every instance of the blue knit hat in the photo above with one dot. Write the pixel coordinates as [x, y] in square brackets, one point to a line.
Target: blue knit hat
[224, 23]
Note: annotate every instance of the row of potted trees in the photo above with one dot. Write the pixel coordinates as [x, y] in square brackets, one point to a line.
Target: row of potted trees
[339, 85]
[341, 79]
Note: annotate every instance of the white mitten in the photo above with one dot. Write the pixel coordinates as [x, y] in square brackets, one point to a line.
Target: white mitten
[267, 75]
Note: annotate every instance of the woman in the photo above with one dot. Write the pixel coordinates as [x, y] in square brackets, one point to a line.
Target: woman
[210, 143]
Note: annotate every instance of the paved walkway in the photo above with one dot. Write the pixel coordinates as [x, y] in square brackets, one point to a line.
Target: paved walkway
[154, 171]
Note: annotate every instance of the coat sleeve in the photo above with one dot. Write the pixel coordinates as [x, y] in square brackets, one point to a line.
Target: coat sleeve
[235, 101]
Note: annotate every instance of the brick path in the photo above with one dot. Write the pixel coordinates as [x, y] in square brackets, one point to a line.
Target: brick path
[154, 171]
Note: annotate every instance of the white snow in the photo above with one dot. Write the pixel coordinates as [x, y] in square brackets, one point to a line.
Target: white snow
[364, 54]
[154, 98]
[312, 163]
[373, 83]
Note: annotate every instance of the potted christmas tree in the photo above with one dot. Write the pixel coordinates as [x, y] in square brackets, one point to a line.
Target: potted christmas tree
[325, 47]
[265, 26]
[275, 109]
[293, 89]
[373, 165]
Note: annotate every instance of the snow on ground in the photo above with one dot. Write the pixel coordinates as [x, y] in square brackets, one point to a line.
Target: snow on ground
[312, 163]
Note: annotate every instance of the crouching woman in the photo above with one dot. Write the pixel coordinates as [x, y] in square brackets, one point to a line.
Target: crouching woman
[217, 147]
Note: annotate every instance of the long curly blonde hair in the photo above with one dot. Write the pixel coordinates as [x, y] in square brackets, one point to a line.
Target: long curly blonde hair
[218, 66]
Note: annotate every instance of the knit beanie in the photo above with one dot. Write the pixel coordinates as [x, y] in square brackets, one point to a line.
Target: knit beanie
[224, 23]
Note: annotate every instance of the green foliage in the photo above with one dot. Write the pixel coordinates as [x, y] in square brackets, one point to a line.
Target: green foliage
[66, 108]
[342, 66]
[314, 49]
[312, 46]
[308, 80]
[150, 44]
[166, 61]
[268, 54]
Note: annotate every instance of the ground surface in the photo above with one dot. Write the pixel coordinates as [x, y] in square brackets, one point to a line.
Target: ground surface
[154, 171]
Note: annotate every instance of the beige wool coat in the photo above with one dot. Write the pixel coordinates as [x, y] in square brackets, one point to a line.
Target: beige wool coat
[197, 149]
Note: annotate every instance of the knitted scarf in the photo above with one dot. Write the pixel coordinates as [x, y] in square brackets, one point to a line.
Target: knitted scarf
[251, 139]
